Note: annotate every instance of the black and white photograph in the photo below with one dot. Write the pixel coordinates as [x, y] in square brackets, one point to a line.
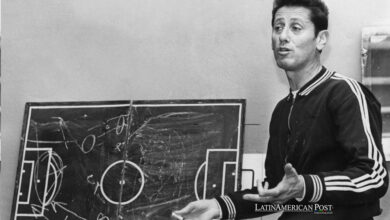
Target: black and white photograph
[194, 109]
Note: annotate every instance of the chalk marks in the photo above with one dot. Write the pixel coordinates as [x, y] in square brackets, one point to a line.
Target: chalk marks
[133, 175]
[103, 161]
[92, 136]
[88, 143]
[216, 175]
[196, 180]
[121, 124]
[52, 179]
[101, 216]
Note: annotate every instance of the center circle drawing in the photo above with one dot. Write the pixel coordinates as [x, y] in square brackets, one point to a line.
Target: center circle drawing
[122, 176]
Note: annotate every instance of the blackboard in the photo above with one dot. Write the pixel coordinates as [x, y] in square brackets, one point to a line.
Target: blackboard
[126, 159]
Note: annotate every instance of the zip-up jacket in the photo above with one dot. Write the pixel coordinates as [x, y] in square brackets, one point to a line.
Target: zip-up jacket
[331, 134]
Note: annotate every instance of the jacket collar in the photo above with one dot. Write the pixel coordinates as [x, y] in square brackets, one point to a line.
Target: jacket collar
[323, 75]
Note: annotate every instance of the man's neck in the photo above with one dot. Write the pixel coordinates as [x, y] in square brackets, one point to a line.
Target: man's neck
[299, 78]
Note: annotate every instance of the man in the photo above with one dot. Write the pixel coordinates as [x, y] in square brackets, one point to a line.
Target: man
[325, 136]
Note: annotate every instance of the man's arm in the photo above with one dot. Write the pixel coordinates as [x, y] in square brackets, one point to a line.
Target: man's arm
[249, 203]
[230, 206]
[357, 117]
[356, 114]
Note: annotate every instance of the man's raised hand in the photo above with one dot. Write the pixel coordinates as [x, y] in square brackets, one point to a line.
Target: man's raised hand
[291, 186]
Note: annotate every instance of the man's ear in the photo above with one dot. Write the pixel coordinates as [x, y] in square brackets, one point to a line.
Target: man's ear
[322, 39]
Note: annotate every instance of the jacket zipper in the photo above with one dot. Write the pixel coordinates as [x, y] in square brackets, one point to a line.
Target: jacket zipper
[289, 127]
[289, 114]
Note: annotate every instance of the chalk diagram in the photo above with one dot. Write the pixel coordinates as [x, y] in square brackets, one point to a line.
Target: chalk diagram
[125, 161]
[121, 181]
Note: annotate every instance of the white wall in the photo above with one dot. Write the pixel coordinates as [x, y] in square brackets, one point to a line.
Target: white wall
[71, 50]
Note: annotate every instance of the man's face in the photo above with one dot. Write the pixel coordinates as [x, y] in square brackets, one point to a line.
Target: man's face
[293, 38]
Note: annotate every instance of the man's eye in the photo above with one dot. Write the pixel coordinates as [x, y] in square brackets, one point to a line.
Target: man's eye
[278, 28]
[296, 28]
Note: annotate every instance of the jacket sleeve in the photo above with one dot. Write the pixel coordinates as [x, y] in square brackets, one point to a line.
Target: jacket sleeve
[233, 206]
[357, 118]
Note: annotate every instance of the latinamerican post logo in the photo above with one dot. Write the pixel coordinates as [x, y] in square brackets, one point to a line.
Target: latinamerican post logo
[323, 209]
[312, 208]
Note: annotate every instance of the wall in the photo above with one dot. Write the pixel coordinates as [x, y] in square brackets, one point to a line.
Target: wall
[57, 50]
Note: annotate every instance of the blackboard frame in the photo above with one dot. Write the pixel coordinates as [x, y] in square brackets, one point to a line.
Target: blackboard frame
[31, 105]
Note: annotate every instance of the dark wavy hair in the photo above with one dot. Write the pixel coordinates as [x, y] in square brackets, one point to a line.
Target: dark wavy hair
[319, 11]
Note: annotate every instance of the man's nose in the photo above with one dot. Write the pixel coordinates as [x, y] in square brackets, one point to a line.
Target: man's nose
[284, 35]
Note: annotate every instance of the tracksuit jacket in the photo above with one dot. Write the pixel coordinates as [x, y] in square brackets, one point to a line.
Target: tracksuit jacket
[331, 134]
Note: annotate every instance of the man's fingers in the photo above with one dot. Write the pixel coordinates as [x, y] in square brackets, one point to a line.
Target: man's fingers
[264, 199]
[289, 170]
[259, 187]
[274, 192]
[263, 192]
[176, 216]
[266, 185]
[257, 198]
[274, 195]
[185, 210]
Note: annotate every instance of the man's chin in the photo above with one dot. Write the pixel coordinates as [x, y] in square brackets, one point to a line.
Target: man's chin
[286, 66]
